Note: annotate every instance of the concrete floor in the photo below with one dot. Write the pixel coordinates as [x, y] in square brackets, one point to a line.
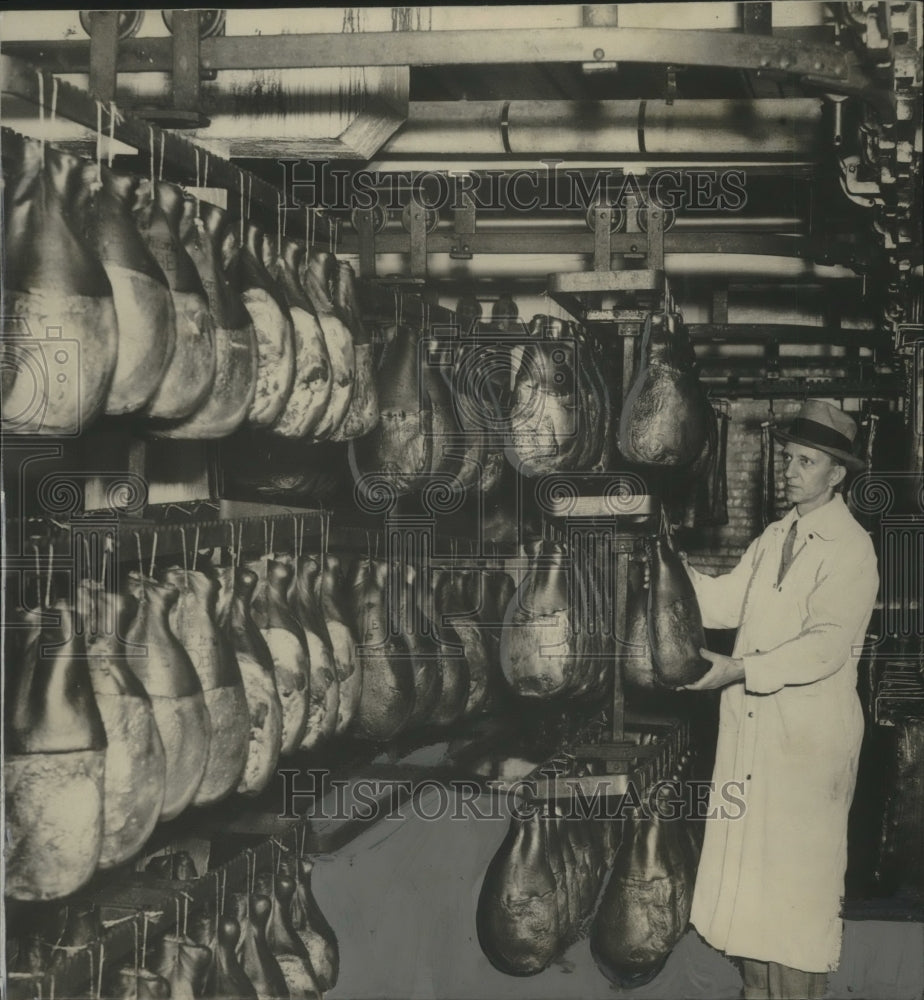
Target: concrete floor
[402, 901]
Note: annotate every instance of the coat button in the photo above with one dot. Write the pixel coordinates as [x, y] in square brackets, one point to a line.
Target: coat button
[747, 778]
[811, 536]
[750, 715]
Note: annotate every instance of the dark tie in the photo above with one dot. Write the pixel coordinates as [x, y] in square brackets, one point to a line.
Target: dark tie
[788, 547]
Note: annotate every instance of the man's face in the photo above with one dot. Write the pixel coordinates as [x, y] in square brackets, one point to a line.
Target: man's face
[810, 475]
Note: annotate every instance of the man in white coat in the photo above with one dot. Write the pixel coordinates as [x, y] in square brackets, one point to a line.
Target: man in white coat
[770, 883]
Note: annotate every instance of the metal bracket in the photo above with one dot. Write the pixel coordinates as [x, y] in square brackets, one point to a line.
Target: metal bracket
[464, 222]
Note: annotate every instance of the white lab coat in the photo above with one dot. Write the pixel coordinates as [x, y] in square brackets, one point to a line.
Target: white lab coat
[770, 883]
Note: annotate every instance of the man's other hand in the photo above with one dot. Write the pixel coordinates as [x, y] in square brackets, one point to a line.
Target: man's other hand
[724, 670]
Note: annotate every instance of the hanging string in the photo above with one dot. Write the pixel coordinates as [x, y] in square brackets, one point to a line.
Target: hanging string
[296, 547]
[195, 551]
[51, 553]
[54, 99]
[272, 537]
[279, 226]
[105, 561]
[41, 104]
[183, 544]
[241, 172]
[205, 172]
[163, 143]
[249, 192]
[99, 982]
[240, 542]
[99, 141]
[198, 181]
[151, 149]
[140, 556]
[88, 574]
[136, 947]
[153, 554]
[113, 114]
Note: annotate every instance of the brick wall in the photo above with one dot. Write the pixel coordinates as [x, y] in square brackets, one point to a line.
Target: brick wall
[720, 548]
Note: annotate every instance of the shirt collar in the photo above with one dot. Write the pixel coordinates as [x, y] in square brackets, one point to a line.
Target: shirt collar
[829, 521]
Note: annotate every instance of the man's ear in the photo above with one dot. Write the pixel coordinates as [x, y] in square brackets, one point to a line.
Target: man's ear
[838, 473]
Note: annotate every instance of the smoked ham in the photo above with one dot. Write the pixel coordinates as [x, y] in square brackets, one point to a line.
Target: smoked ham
[256, 665]
[311, 391]
[454, 671]
[54, 762]
[334, 598]
[317, 276]
[143, 303]
[184, 964]
[191, 372]
[229, 401]
[310, 923]
[363, 412]
[253, 952]
[645, 907]
[401, 447]
[136, 768]
[272, 323]
[637, 667]
[323, 684]
[387, 698]
[517, 916]
[456, 601]
[140, 984]
[285, 944]
[54, 288]
[192, 619]
[541, 643]
[545, 415]
[675, 624]
[417, 633]
[285, 639]
[224, 978]
[665, 413]
[165, 670]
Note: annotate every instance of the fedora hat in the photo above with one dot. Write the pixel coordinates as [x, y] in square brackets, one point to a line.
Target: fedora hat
[823, 426]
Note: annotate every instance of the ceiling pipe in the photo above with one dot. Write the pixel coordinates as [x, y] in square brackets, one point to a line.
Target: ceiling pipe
[777, 128]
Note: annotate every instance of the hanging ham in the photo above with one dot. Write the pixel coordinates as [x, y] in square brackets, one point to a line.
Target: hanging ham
[645, 907]
[227, 405]
[253, 952]
[387, 698]
[184, 964]
[517, 916]
[401, 447]
[54, 762]
[637, 668]
[256, 665]
[285, 639]
[191, 372]
[428, 678]
[140, 984]
[224, 978]
[287, 947]
[363, 412]
[323, 685]
[457, 601]
[453, 668]
[541, 643]
[665, 412]
[136, 768]
[317, 279]
[193, 621]
[60, 335]
[545, 415]
[272, 323]
[675, 624]
[334, 598]
[310, 923]
[170, 680]
[311, 391]
[143, 303]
